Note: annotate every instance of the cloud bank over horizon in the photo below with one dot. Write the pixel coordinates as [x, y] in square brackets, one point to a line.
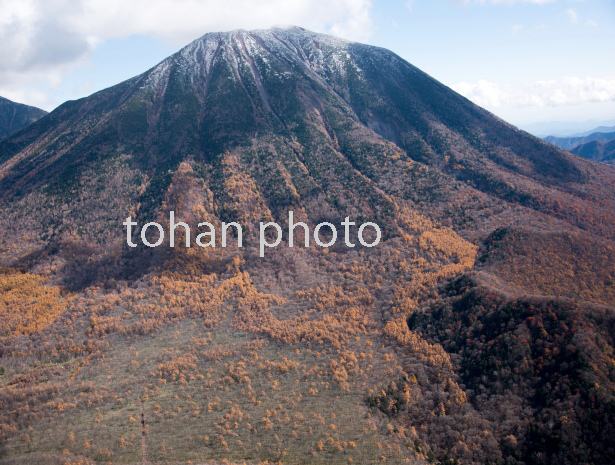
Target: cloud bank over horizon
[552, 93]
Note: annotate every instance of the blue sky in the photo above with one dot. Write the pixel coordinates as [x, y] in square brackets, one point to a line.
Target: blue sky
[524, 60]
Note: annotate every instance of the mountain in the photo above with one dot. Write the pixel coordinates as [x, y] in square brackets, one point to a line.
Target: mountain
[16, 116]
[570, 143]
[480, 330]
[598, 150]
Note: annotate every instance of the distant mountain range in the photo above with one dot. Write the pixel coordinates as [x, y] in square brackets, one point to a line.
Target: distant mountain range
[569, 143]
[599, 129]
[15, 116]
[598, 145]
[598, 150]
[568, 128]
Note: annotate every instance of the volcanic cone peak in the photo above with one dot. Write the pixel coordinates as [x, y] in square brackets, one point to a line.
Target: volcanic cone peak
[305, 121]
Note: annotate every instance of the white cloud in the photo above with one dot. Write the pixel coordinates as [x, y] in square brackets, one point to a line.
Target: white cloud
[42, 40]
[517, 28]
[573, 16]
[567, 91]
[503, 2]
[182, 20]
[591, 23]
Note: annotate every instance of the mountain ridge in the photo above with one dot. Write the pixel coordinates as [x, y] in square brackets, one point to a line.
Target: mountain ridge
[598, 150]
[571, 143]
[15, 116]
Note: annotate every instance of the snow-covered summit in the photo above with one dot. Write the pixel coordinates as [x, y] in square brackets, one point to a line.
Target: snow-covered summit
[275, 51]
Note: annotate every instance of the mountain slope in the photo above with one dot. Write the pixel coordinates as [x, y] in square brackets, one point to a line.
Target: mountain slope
[16, 116]
[305, 355]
